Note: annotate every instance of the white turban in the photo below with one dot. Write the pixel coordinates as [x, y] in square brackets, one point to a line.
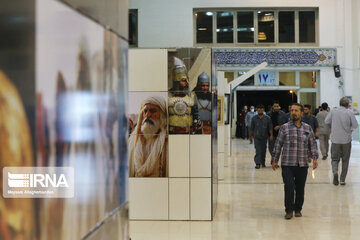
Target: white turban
[156, 100]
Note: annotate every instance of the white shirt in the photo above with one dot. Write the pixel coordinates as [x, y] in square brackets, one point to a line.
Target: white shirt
[343, 122]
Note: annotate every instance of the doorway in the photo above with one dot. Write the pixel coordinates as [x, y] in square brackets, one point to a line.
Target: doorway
[266, 98]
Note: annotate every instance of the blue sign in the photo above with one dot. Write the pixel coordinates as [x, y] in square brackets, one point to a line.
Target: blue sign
[267, 78]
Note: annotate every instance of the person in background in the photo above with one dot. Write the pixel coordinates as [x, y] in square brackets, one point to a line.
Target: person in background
[295, 142]
[248, 118]
[277, 118]
[310, 119]
[317, 110]
[268, 109]
[343, 122]
[287, 115]
[261, 129]
[324, 130]
[242, 115]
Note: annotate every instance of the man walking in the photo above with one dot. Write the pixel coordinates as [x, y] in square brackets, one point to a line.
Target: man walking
[324, 130]
[243, 113]
[248, 118]
[310, 119]
[296, 141]
[287, 115]
[261, 129]
[277, 118]
[342, 122]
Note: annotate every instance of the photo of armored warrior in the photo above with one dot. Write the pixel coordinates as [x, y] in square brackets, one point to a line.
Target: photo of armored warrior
[183, 112]
[202, 98]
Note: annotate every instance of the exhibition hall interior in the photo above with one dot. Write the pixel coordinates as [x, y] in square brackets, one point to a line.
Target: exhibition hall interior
[169, 120]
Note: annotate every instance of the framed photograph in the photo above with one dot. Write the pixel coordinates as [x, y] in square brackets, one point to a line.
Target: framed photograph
[227, 109]
[220, 110]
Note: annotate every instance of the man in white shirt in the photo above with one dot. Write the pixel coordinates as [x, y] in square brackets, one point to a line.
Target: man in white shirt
[248, 118]
[324, 130]
[342, 122]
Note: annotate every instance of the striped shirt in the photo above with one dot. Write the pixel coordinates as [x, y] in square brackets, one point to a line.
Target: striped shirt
[297, 144]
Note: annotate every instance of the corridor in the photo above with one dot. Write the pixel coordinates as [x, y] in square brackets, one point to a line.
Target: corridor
[250, 205]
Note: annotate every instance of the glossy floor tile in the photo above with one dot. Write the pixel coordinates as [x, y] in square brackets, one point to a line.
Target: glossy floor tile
[250, 205]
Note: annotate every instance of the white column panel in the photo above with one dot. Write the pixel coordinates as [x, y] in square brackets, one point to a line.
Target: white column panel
[221, 151]
[200, 155]
[228, 140]
[179, 156]
[226, 134]
[149, 198]
[221, 138]
[200, 199]
[148, 70]
[179, 199]
[221, 164]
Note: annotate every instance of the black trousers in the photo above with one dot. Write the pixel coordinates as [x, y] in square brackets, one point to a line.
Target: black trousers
[294, 186]
[260, 147]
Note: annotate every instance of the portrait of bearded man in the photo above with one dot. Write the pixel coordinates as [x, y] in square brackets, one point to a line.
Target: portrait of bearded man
[148, 143]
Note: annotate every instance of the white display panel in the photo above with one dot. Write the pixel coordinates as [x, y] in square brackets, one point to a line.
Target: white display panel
[221, 164]
[200, 199]
[221, 138]
[148, 70]
[179, 155]
[179, 198]
[200, 156]
[148, 198]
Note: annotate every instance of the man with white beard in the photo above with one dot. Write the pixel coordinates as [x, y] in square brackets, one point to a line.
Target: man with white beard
[148, 142]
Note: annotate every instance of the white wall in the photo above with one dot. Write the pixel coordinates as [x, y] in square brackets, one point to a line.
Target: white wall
[329, 90]
[354, 50]
[356, 10]
[169, 23]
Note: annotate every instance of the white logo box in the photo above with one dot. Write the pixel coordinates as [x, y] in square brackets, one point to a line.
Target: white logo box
[38, 182]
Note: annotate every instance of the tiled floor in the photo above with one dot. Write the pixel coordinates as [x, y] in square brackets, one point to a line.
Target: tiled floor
[250, 205]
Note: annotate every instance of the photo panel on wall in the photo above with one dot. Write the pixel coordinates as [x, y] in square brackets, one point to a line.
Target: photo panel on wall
[80, 75]
[148, 134]
[16, 150]
[122, 63]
